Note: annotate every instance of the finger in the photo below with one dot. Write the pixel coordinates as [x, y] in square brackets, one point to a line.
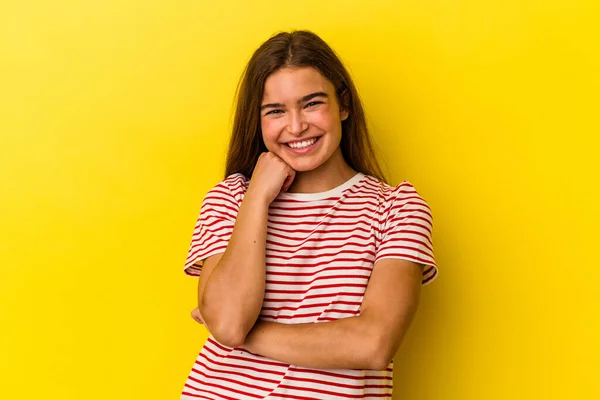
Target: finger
[196, 314]
[196, 317]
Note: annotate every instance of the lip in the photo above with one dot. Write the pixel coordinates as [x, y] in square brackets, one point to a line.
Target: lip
[304, 150]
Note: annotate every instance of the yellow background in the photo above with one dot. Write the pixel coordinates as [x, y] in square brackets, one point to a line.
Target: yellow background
[114, 119]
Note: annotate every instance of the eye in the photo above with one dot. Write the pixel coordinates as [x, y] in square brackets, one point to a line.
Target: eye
[313, 103]
[274, 112]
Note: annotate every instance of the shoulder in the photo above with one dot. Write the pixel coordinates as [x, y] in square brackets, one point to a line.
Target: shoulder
[400, 196]
[229, 191]
[234, 185]
[387, 192]
[404, 191]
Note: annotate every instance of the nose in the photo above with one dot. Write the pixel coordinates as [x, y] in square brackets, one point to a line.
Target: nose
[297, 123]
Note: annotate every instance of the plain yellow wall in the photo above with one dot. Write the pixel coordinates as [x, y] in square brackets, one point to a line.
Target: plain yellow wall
[114, 120]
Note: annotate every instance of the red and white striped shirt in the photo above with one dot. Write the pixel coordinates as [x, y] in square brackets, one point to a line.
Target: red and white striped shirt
[320, 251]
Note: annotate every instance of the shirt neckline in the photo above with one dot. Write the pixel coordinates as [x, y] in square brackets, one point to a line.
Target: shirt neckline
[335, 192]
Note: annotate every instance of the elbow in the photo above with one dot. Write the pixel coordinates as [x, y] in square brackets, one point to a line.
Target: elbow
[229, 337]
[223, 327]
[227, 332]
[382, 351]
[379, 362]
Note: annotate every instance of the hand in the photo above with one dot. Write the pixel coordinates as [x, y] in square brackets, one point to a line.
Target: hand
[197, 316]
[271, 175]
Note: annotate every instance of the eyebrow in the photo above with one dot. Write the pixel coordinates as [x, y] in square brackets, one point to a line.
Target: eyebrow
[302, 100]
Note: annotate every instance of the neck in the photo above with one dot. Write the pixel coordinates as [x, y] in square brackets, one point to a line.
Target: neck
[329, 175]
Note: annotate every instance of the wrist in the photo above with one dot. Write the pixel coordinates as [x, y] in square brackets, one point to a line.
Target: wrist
[256, 199]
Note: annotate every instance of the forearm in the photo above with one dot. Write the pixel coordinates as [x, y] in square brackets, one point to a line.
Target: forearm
[233, 294]
[367, 341]
[348, 343]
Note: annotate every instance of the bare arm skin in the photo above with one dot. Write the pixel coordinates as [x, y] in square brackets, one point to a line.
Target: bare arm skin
[232, 284]
[367, 341]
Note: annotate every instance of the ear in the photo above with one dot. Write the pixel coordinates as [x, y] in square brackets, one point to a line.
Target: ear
[344, 109]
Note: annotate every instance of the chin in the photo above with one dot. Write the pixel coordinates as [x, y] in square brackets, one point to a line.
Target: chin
[304, 165]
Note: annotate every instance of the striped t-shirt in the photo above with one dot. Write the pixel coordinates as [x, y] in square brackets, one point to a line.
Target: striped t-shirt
[320, 251]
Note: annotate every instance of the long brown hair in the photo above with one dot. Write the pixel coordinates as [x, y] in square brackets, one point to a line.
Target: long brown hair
[296, 49]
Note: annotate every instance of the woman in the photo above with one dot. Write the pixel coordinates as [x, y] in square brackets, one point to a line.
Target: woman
[310, 271]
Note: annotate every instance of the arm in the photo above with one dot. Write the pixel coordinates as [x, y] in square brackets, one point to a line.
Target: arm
[231, 288]
[232, 284]
[367, 341]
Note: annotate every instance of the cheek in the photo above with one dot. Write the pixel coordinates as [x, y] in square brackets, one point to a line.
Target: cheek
[267, 129]
[326, 121]
[270, 133]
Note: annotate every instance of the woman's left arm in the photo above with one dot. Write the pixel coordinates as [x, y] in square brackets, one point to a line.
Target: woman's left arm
[367, 341]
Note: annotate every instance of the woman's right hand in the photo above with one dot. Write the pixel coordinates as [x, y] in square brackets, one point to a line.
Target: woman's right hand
[271, 175]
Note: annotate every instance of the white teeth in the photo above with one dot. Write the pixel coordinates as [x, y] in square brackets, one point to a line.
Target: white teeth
[303, 144]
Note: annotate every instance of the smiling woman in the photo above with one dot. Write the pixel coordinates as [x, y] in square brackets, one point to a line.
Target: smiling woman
[308, 261]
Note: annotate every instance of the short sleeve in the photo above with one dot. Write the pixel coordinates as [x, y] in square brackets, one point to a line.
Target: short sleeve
[213, 228]
[407, 231]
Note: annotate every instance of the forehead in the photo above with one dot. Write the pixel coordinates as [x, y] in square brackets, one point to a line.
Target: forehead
[290, 84]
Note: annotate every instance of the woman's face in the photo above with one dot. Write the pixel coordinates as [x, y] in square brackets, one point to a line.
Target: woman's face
[301, 119]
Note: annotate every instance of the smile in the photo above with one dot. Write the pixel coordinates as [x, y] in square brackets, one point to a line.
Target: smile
[303, 144]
